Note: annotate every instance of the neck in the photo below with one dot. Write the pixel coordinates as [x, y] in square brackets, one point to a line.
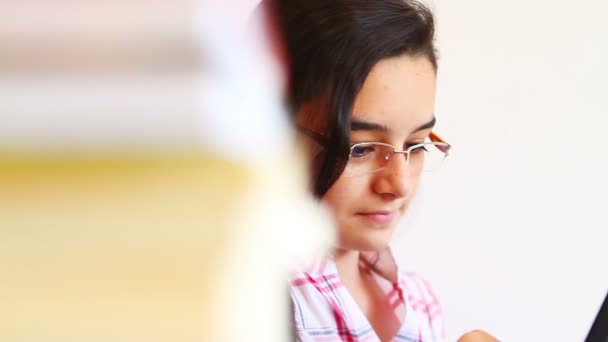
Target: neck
[347, 264]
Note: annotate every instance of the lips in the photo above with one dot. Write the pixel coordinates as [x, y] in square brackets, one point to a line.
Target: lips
[379, 216]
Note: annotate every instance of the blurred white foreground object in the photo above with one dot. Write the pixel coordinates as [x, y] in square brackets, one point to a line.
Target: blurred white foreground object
[149, 184]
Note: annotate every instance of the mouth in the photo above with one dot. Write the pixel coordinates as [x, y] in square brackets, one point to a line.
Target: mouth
[379, 216]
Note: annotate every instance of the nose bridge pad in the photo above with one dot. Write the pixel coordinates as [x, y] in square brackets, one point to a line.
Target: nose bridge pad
[388, 155]
[396, 178]
[405, 154]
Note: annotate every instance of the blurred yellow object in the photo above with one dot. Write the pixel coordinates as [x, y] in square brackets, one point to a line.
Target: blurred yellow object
[143, 248]
[111, 249]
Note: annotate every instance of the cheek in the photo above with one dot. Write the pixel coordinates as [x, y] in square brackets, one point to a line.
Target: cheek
[412, 193]
[346, 194]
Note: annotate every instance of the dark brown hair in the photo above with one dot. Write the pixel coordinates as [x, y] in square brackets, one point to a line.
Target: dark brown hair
[331, 46]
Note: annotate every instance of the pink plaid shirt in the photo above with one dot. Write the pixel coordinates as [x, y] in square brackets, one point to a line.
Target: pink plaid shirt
[325, 311]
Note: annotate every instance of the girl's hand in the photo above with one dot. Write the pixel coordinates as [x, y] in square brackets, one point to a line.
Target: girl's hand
[477, 336]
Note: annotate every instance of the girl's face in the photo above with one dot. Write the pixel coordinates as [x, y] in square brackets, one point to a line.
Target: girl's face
[395, 106]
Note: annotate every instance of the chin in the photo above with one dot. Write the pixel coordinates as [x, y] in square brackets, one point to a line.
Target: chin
[376, 245]
[369, 241]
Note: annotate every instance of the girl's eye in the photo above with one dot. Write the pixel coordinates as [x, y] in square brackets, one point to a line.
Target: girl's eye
[360, 151]
[418, 149]
[413, 143]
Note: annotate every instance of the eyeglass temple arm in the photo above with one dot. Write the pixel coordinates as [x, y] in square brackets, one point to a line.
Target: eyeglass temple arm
[435, 138]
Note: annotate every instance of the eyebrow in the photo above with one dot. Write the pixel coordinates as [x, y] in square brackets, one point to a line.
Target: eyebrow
[427, 125]
[359, 125]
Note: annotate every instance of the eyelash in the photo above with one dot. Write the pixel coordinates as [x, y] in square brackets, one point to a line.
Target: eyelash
[405, 145]
[410, 144]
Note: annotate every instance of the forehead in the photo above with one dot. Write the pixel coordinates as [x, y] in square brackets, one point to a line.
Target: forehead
[399, 93]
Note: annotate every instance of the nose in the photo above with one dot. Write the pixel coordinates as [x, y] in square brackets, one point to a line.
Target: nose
[396, 178]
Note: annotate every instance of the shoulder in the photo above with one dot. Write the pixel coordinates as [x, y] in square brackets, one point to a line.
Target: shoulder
[317, 274]
[312, 291]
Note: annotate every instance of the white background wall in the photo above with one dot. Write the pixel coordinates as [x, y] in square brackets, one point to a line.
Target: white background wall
[513, 232]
